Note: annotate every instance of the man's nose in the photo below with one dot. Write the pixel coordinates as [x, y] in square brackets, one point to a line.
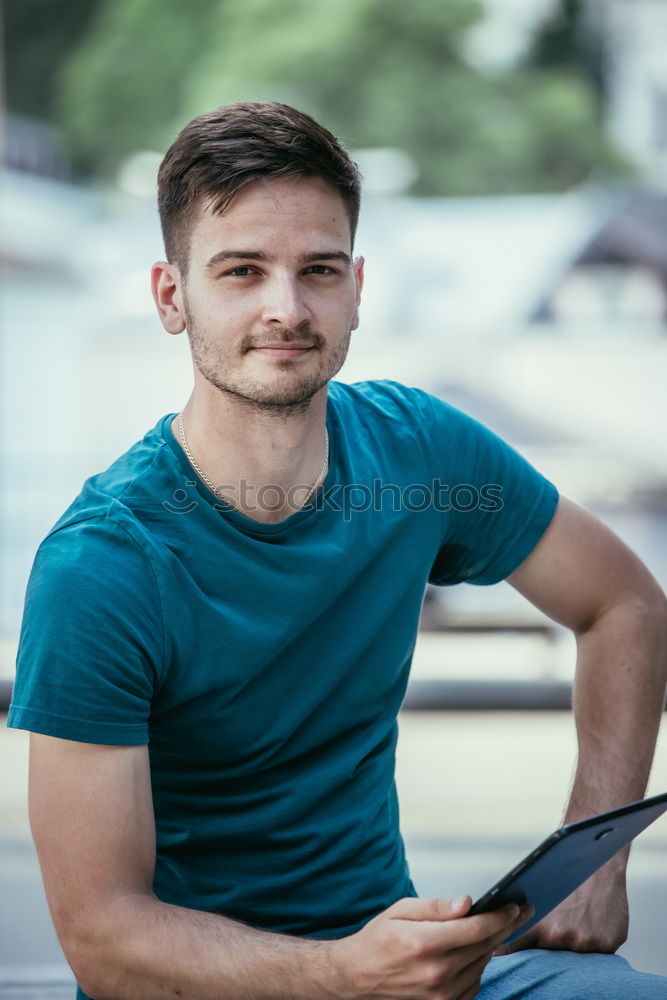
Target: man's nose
[284, 302]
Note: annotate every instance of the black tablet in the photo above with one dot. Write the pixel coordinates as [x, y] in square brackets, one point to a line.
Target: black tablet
[567, 858]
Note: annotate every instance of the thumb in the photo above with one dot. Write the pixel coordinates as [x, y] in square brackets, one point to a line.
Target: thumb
[414, 908]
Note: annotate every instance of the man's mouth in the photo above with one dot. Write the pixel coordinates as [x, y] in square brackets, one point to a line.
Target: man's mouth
[290, 349]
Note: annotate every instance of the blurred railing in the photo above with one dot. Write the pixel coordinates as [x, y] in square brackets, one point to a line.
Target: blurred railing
[35, 982]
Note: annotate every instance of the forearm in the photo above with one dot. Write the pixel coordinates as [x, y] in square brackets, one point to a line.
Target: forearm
[145, 949]
[618, 702]
[583, 576]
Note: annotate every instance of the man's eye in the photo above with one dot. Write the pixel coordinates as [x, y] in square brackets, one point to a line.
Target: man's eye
[320, 269]
[242, 271]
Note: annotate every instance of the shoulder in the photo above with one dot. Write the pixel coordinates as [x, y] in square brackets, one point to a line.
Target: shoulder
[96, 569]
[104, 536]
[380, 394]
[90, 538]
[413, 412]
[94, 583]
[386, 399]
[115, 505]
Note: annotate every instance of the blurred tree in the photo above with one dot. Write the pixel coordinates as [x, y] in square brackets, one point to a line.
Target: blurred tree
[121, 90]
[38, 36]
[377, 72]
[570, 38]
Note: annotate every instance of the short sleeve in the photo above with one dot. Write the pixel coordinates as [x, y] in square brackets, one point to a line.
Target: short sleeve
[91, 644]
[496, 506]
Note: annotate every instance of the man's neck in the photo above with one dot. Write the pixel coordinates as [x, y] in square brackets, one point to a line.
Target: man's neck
[262, 462]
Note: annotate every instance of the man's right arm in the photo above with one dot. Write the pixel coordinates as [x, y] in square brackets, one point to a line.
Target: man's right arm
[92, 820]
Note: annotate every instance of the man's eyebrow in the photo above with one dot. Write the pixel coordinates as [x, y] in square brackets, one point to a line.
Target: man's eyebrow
[222, 255]
[327, 255]
[225, 255]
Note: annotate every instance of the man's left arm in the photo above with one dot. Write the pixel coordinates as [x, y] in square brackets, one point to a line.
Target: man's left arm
[582, 575]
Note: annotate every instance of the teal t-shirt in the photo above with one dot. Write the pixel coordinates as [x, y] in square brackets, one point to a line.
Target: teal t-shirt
[265, 664]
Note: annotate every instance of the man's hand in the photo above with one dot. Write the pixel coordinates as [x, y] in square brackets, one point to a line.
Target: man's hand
[423, 949]
[593, 918]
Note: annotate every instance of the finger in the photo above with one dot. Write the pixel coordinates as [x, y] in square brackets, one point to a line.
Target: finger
[522, 943]
[471, 993]
[472, 935]
[483, 951]
[438, 909]
[467, 982]
[489, 929]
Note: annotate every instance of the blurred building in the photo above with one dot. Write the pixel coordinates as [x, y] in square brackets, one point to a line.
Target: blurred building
[635, 34]
[490, 266]
[34, 147]
[619, 276]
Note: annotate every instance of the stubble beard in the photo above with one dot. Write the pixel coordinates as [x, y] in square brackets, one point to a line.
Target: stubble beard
[278, 397]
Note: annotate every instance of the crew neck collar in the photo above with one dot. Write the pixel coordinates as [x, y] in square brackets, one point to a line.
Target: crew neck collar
[235, 517]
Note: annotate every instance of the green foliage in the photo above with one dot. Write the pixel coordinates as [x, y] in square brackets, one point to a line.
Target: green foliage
[535, 131]
[568, 41]
[377, 72]
[361, 65]
[122, 88]
[38, 35]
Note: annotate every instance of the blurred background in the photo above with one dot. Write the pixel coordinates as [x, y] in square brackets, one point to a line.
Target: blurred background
[515, 231]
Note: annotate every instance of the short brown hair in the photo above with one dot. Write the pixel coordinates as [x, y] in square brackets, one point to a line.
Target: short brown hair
[220, 152]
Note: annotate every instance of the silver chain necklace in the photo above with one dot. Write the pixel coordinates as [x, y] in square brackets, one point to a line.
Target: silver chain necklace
[214, 489]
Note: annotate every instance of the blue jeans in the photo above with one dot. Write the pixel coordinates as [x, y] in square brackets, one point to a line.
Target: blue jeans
[564, 975]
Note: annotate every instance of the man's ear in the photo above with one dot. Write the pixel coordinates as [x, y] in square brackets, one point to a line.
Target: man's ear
[358, 265]
[168, 296]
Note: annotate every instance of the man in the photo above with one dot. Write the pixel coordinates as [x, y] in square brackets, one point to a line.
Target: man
[216, 641]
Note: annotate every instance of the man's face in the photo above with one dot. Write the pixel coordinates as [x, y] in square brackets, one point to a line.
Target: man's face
[271, 293]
